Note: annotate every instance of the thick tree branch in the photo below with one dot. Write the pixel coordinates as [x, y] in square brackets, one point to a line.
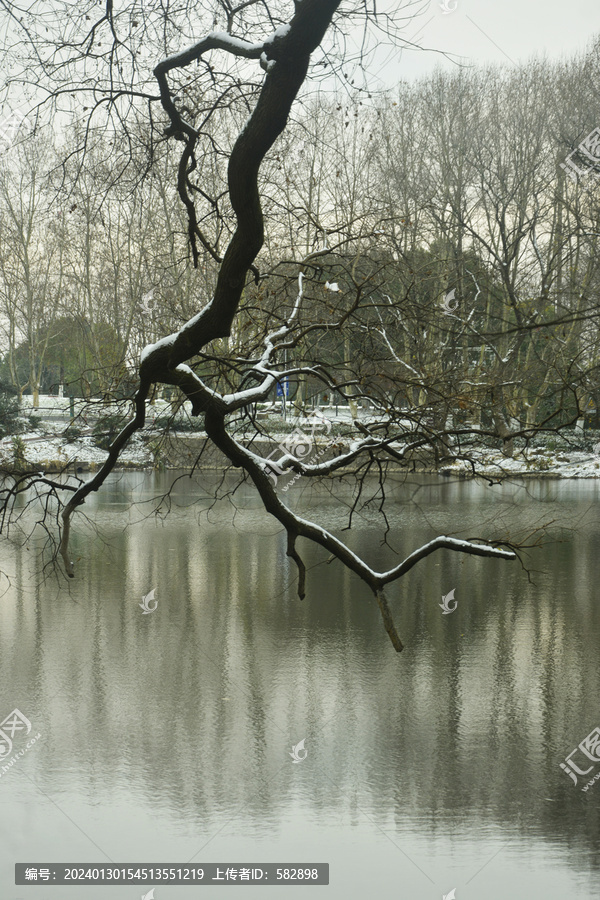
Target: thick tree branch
[296, 526]
[285, 56]
[291, 52]
[164, 361]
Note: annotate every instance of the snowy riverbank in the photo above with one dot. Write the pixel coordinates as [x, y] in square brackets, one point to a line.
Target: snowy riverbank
[52, 451]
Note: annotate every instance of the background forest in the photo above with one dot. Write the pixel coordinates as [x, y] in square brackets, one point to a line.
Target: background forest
[436, 228]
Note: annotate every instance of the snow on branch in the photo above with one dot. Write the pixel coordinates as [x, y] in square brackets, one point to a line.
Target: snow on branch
[216, 40]
[297, 526]
[445, 543]
[261, 391]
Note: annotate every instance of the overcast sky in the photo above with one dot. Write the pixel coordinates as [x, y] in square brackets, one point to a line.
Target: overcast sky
[484, 31]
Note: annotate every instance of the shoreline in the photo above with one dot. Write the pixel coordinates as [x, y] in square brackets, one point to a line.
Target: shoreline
[158, 452]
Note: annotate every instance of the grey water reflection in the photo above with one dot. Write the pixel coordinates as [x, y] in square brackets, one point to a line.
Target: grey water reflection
[166, 736]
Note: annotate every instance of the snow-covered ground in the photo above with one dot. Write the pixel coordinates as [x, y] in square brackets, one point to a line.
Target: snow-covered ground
[545, 463]
[49, 449]
[562, 457]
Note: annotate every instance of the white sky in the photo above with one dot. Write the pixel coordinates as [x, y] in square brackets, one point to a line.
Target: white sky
[492, 31]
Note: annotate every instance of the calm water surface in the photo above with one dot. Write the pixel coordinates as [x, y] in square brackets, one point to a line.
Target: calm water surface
[166, 738]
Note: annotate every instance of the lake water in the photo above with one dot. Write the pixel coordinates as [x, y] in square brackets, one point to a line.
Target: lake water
[166, 737]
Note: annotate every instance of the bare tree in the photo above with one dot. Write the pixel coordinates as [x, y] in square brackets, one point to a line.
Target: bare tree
[31, 264]
[227, 223]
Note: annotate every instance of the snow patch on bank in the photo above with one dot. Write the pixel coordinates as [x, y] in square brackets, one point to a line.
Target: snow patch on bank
[50, 446]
